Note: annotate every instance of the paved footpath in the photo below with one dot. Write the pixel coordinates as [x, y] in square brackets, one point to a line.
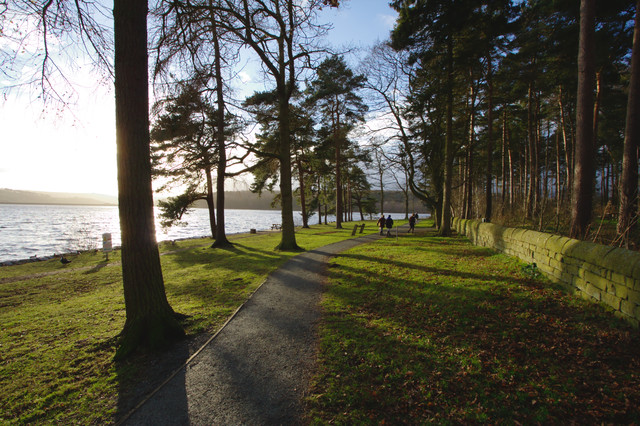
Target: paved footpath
[257, 369]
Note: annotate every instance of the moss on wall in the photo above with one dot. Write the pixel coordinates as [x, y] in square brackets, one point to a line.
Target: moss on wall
[601, 273]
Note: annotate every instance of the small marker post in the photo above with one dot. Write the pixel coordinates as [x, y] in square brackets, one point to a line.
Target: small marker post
[106, 245]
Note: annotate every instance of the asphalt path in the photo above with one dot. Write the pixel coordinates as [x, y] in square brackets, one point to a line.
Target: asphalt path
[256, 370]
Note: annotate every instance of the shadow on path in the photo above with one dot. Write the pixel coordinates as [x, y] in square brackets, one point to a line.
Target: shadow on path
[257, 368]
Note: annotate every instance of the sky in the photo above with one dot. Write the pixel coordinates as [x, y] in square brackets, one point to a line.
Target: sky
[42, 149]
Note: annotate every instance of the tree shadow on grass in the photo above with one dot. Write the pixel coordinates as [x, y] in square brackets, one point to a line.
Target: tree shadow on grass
[441, 271]
[142, 374]
[471, 352]
[97, 268]
[222, 255]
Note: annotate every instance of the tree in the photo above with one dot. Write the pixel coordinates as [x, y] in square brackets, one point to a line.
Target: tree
[191, 41]
[150, 320]
[280, 33]
[432, 32]
[406, 107]
[584, 170]
[183, 149]
[360, 190]
[334, 91]
[264, 108]
[186, 148]
[627, 218]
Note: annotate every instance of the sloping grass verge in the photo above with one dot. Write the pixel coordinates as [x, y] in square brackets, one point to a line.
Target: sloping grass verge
[426, 329]
[59, 322]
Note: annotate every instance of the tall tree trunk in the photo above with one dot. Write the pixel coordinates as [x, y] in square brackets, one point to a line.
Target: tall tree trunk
[531, 160]
[338, 159]
[463, 176]
[381, 176]
[150, 320]
[596, 107]
[288, 239]
[303, 200]
[567, 146]
[512, 193]
[584, 172]
[320, 191]
[326, 214]
[445, 225]
[557, 179]
[221, 235]
[489, 176]
[469, 184]
[209, 200]
[536, 156]
[504, 161]
[406, 196]
[629, 186]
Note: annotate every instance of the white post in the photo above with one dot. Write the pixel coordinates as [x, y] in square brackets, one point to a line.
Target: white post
[106, 244]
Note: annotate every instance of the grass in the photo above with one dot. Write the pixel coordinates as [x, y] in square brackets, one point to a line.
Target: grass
[426, 329]
[60, 322]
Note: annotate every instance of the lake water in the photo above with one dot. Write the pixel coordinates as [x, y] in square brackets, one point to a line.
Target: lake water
[42, 230]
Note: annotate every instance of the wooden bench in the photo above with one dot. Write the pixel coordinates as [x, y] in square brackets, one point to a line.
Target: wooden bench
[276, 226]
[355, 229]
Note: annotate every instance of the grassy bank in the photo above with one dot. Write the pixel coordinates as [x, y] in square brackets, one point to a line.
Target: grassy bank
[426, 329]
[59, 322]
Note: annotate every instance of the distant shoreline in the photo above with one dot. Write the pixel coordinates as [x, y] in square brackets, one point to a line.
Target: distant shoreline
[60, 204]
[192, 207]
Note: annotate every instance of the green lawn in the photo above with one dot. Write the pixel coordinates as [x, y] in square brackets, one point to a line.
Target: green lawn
[416, 329]
[426, 329]
[59, 322]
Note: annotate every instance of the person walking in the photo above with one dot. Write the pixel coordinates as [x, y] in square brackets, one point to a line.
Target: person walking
[380, 223]
[389, 224]
[412, 224]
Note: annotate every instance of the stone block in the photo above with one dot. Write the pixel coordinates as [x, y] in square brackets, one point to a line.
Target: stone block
[585, 296]
[554, 263]
[537, 239]
[617, 278]
[633, 296]
[620, 290]
[629, 309]
[636, 272]
[545, 268]
[593, 291]
[566, 277]
[589, 252]
[555, 243]
[579, 283]
[611, 300]
[571, 269]
[622, 261]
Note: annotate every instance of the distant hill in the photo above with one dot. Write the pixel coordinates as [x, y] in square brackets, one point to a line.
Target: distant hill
[13, 196]
[394, 200]
[245, 200]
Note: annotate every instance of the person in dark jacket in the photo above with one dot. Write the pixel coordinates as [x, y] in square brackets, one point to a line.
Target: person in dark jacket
[412, 224]
[389, 224]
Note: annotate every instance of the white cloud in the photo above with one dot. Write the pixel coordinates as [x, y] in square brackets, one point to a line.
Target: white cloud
[387, 20]
[244, 77]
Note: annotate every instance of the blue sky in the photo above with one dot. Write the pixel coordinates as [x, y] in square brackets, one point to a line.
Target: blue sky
[74, 151]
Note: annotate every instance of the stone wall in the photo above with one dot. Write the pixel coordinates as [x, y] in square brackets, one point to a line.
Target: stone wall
[606, 274]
